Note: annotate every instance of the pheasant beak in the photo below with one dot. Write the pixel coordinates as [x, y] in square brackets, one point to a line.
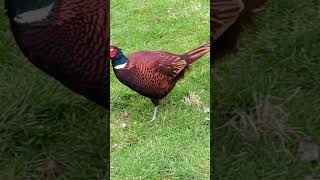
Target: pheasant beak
[113, 53]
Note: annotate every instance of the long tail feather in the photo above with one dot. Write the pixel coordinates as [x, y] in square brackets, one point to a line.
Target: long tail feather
[196, 53]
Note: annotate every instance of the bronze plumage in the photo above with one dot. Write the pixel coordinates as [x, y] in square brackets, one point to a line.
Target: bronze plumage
[67, 39]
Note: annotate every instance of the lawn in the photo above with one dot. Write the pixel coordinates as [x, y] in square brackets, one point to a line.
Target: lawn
[266, 95]
[44, 127]
[177, 145]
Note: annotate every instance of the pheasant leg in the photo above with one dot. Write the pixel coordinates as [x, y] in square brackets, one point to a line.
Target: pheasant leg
[155, 114]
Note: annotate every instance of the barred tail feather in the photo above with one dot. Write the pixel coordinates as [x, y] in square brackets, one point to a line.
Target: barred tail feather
[196, 53]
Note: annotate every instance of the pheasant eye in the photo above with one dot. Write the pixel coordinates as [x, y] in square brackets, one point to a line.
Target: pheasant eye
[113, 53]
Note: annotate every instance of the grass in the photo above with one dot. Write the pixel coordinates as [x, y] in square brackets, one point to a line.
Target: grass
[177, 146]
[267, 95]
[43, 123]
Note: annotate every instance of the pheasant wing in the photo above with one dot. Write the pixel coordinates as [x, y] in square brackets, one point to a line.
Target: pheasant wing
[170, 65]
[167, 64]
[223, 14]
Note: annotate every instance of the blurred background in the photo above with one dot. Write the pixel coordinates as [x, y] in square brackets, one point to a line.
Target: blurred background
[46, 131]
[266, 96]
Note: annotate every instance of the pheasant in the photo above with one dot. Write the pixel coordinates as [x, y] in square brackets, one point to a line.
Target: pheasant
[227, 18]
[67, 39]
[153, 74]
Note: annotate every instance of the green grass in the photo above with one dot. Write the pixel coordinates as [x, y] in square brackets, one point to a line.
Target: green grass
[40, 120]
[277, 57]
[177, 146]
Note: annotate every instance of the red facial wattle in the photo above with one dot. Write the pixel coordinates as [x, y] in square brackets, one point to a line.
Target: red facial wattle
[113, 53]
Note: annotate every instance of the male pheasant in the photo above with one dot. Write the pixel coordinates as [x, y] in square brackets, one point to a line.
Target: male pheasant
[227, 18]
[67, 39]
[153, 74]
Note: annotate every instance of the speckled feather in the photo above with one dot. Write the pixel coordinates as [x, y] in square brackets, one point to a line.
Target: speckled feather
[71, 45]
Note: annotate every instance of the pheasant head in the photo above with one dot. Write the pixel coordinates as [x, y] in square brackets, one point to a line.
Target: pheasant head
[118, 59]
